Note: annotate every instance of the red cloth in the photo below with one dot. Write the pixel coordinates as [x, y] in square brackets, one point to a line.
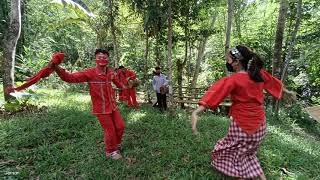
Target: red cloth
[45, 72]
[247, 98]
[113, 126]
[101, 91]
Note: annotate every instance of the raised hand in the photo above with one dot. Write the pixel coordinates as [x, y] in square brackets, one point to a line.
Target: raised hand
[57, 58]
[9, 89]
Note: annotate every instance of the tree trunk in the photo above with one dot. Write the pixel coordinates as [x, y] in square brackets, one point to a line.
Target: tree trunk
[277, 57]
[157, 49]
[201, 52]
[201, 49]
[181, 65]
[169, 65]
[229, 23]
[292, 40]
[228, 28]
[145, 70]
[10, 44]
[114, 36]
[188, 70]
[179, 78]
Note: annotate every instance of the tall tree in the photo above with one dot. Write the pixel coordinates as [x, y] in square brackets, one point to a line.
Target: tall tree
[12, 34]
[277, 57]
[170, 32]
[200, 57]
[10, 43]
[292, 40]
[201, 52]
[229, 23]
[238, 11]
[113, 32]
[145, 68]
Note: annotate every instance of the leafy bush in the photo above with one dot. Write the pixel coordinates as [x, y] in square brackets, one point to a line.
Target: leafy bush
[24, 101]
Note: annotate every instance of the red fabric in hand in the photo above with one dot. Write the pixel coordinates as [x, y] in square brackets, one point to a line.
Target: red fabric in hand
[41, 74]
[57, 58]
[9, 89]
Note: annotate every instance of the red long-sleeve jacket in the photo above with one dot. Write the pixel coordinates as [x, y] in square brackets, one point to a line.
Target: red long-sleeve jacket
[124, 76]
[101, 91]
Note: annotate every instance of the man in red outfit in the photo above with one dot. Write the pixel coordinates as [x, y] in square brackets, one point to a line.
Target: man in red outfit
[121, 93]
[130, 93]
[103, 99]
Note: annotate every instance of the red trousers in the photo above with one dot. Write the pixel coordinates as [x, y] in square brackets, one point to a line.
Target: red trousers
[131, 97]
[113, 126]
[122, 95]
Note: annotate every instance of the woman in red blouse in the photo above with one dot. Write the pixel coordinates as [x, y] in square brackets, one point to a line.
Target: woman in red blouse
[235, 154]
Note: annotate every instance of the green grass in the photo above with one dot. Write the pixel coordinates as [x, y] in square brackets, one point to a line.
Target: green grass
[65, 142]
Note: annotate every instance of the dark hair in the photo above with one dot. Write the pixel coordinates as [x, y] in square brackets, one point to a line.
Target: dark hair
[101, 50]
[251, 62]
[121, 67]
[157, 68]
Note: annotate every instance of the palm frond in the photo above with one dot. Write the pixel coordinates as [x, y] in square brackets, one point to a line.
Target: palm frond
[77, 4]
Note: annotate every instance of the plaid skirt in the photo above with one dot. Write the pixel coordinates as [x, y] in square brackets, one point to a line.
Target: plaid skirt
[235, 154]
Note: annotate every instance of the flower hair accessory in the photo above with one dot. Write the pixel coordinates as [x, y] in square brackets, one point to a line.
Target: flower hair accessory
[236, 53]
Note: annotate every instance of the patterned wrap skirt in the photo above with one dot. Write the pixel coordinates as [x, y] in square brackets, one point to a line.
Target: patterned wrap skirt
[235, 154]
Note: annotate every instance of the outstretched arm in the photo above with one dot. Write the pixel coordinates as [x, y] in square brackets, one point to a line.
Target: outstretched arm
[289, 96]
[77, 77]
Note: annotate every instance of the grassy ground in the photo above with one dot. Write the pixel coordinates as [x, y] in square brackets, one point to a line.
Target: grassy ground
[65, 142]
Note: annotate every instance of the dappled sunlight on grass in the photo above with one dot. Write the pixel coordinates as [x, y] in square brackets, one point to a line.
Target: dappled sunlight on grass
[67, 141]
[135, 116]
[294, 141]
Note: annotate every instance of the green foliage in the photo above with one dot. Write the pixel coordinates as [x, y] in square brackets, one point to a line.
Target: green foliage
[24, 101]
[67, 141]
[50, 27]
[76, 5]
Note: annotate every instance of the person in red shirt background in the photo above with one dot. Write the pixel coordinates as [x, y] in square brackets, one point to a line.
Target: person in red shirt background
[130, 93]
[103, 99]
[121, 93]
[235, 154]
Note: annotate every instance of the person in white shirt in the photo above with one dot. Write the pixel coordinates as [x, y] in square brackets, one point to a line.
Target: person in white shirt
[160, 85]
